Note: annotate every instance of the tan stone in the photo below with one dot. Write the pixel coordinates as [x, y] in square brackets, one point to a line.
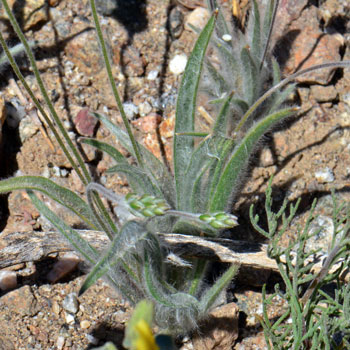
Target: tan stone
[220, 331]
[32, 13]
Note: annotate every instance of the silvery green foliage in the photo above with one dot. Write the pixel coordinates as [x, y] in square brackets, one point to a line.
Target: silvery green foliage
[316, 315]
[246, 64]
[195, 198]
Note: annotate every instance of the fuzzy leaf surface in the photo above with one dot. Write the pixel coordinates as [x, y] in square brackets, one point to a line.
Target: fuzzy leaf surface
[59, 194]
[105, 147]
[155, 168]
[122, 244]
[185, 112]
[73, 237]
[239, 158]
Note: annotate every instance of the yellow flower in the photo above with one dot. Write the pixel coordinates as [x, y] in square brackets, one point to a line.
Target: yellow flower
[145, 339]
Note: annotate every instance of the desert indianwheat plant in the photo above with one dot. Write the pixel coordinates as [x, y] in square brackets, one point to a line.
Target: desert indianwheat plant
[194, 197]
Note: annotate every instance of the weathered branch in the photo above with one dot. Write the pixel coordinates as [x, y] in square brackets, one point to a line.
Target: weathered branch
[20, 247]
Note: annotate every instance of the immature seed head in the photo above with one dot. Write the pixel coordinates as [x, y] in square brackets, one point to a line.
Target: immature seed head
[146, 205]
[219, 220]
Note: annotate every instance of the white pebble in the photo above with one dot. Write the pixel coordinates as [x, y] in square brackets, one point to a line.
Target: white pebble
[69, 318]
[178, 64]
[8, 280]
[92, 339]
[226, 37]
[152, 75]
[70, 303]
[324, 175]
[60, 342]
[130, 110]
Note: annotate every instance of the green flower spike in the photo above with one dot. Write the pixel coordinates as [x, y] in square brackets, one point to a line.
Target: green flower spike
[219, 220]
[146, 205]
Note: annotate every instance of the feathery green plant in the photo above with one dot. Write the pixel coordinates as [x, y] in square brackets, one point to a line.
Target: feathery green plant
[313, 318]
[196, 198]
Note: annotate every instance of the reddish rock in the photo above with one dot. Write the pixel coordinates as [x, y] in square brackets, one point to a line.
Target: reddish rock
[288, 11]
[166, 127]
[64, 265]
[148, 123]
[84, 52]
[131, 60]
[311, 47]
[85, 123]
[20, 301]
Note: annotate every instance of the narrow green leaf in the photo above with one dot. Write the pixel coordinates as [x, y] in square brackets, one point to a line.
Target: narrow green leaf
[108, 67]
[153, 289]
[138, 179]
[185, 110]
[216, 82]
[60, 194]
[217, 170]
[198, 161]
[212, 294]
[154, 167]
[78, 243]
[240, 105]
[122, 244]
[250, 76]
[220, 125]
[256, 40]
[207, 154]
[105, 147]
[268, 26]
[239, 159]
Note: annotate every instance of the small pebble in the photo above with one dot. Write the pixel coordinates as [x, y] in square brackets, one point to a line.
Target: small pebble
[56, 308]
[70, 303]
[152, 75]
[27, 128]
[92, 339]
[85, 122]
[176, 19]
[63, 266]
[60, 342]
[178, 64]
[226, 37]
[145, 108]
[85, 324]
[69, 318]
[324, 175]
[198, 18]
[8, 280]
[131, 110]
